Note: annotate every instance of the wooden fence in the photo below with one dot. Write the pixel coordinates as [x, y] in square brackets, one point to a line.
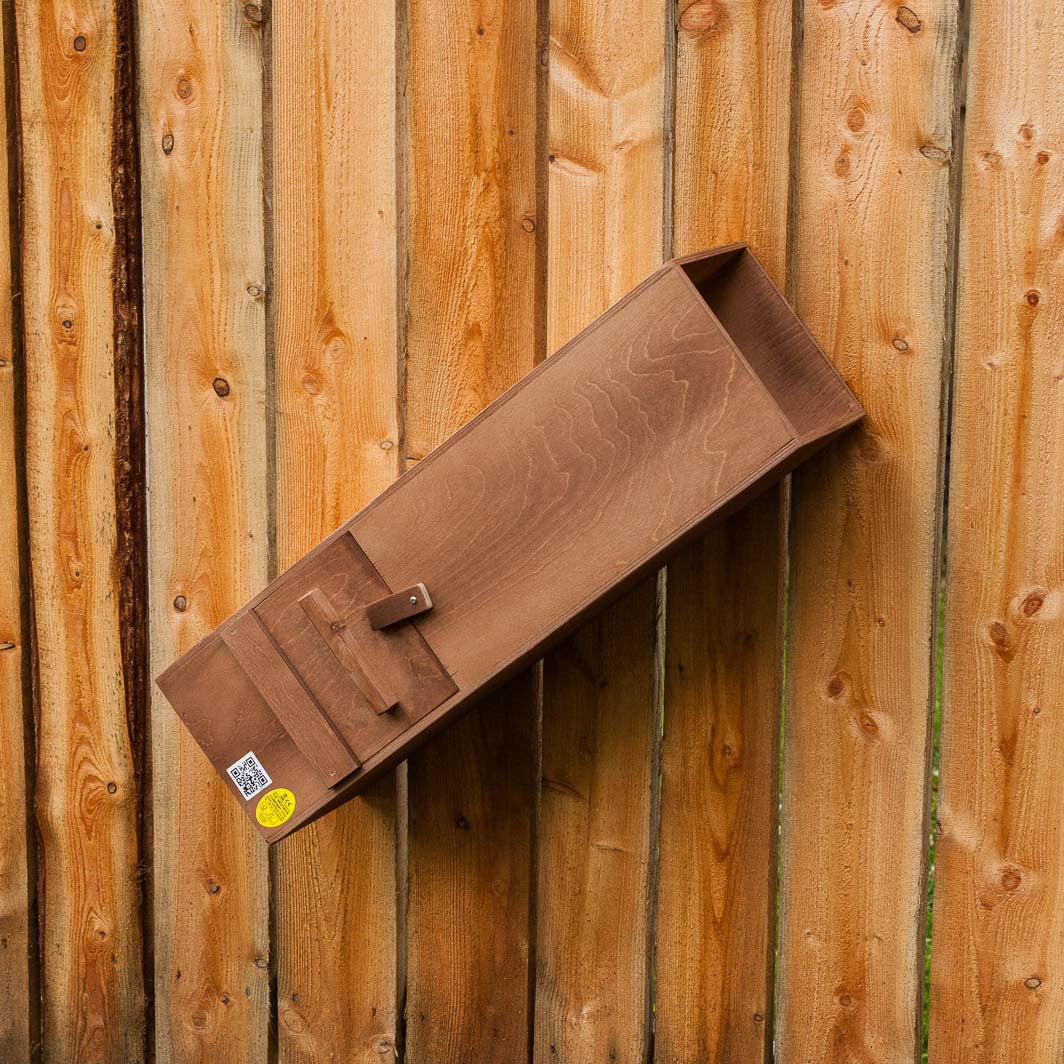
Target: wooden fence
[256, 260]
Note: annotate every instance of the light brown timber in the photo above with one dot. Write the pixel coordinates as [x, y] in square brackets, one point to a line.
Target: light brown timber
[871, 248]
[997, 986]
[200, 77]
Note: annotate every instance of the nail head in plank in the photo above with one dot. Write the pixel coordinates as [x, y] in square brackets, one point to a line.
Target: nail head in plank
[289, 700]
[398, 607]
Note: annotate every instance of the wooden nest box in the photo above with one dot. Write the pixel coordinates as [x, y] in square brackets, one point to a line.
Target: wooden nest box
[693, 393]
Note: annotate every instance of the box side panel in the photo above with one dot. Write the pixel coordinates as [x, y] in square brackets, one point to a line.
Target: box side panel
[777, 345]
[641, 430]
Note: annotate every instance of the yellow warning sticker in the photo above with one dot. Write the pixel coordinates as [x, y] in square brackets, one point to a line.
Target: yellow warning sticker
[275, 807]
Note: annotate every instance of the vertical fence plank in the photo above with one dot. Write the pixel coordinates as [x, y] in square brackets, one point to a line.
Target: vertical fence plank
[201, 152]
[474, 323]
[998, 984]
[600, 713]
[871, 251]
[87, 791]
[716, 910]
[16, 948]
[334, 230]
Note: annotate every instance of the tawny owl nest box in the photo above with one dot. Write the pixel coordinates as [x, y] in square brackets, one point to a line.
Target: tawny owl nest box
[696, 391]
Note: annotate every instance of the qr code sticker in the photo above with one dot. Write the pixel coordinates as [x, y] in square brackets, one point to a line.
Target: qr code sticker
[249, 775]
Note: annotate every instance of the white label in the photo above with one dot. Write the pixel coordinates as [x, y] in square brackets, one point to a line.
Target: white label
[249, 775]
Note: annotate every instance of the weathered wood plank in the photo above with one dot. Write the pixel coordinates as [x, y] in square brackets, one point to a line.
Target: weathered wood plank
[17, 933]
[716, 904]
[337, 445]
[201, 151]
[474, 319]
[874, 144]
[600, 711]
[77, 379]
[716, 908]
[997, 992]
[600, 729]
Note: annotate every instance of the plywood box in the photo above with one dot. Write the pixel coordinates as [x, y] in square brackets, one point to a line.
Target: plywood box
[686, 398]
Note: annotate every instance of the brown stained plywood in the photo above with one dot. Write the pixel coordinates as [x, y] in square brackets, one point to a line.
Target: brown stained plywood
[996, 990]
[717, 876]
[86, 799]
[600, 713]
[201, 154]
[870, 262]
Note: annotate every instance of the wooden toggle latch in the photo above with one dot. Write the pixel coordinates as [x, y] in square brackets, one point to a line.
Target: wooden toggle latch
[398, 607]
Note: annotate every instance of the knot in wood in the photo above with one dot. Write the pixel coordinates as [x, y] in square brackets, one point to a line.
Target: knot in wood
[700, 17]
[934, 153]
[908, 19]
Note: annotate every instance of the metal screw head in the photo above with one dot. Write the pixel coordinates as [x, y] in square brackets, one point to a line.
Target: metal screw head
[413, 600]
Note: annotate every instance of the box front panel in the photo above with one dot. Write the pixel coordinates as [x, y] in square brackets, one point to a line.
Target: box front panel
[372, 685]
[290, 696]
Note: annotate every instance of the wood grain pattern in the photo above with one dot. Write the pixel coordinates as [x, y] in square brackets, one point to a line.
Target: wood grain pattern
[201, 154]
[600, 710]
[17, 984]
[600, 731]
[716, 908]
[474, 295]
[997, 992]
[474, 326]
[86, 789]
[716, 898]
[874, 143]
[338, 444]
[579, 479]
